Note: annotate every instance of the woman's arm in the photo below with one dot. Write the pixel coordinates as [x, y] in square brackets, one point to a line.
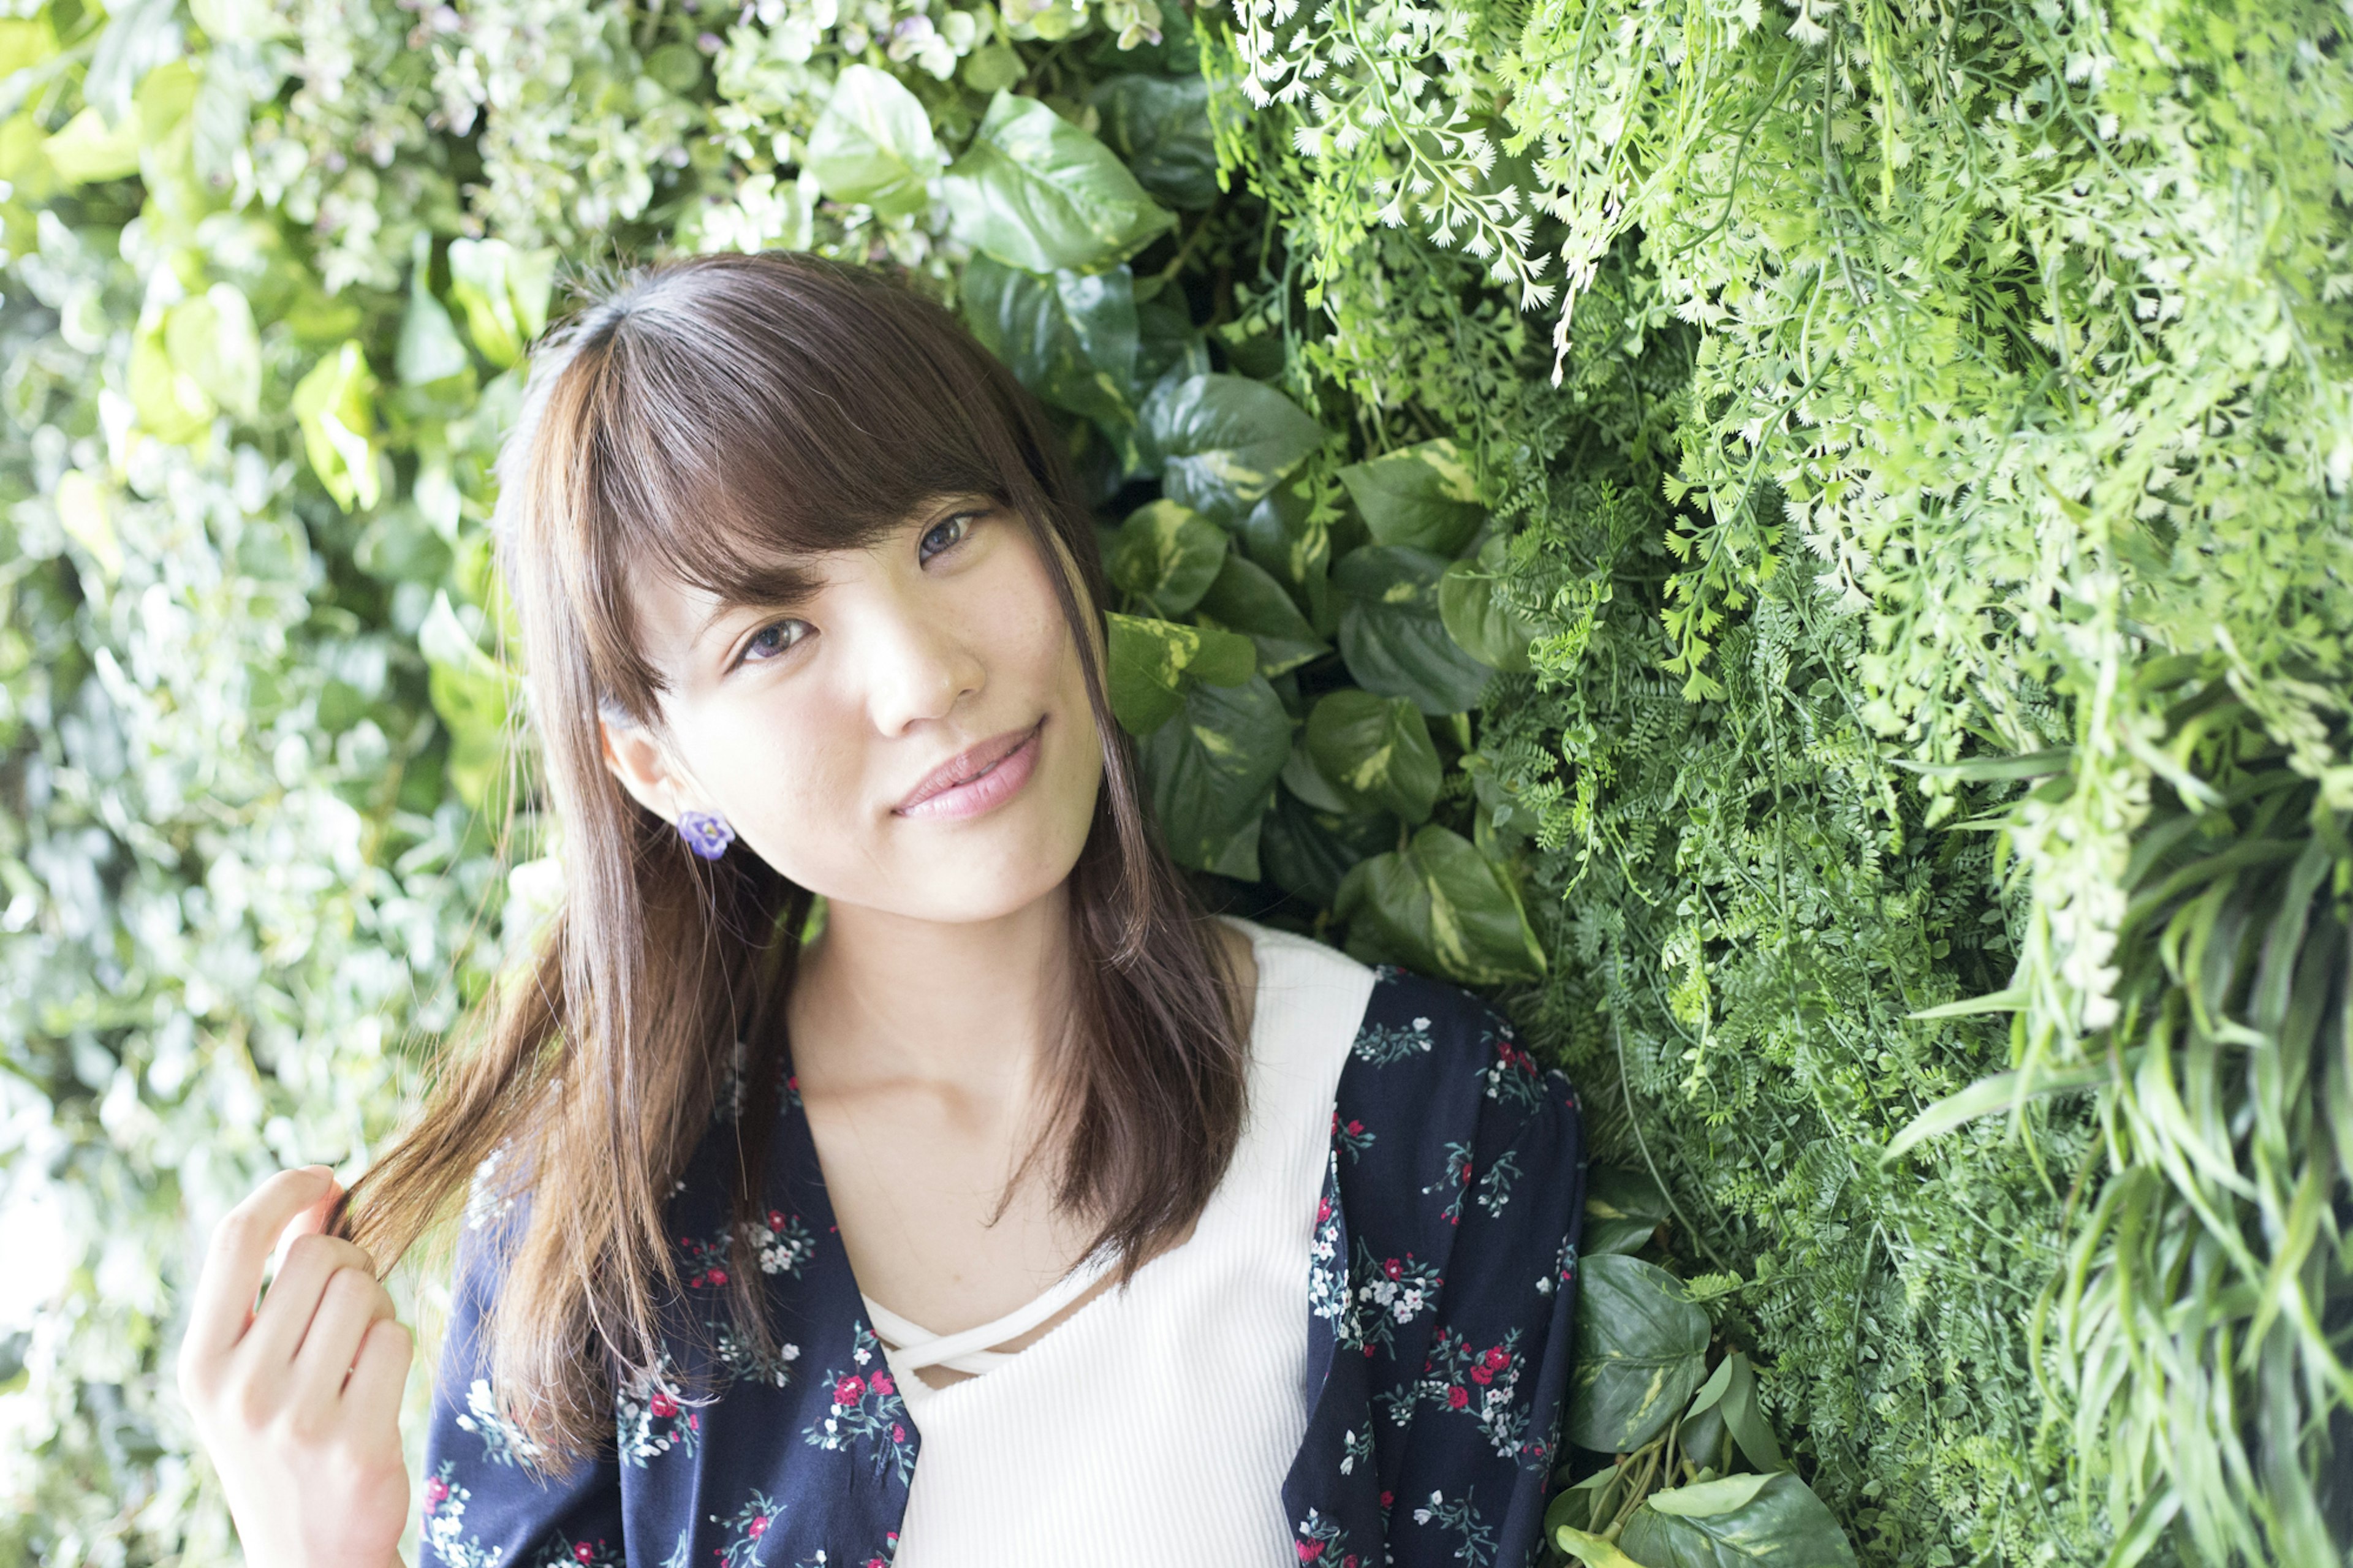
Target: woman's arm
[1482, 1416]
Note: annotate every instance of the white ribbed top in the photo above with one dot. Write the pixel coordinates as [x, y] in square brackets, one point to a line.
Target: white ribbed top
[1155, 1423]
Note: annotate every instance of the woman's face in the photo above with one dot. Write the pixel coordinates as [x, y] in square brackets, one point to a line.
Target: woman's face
[913, 736]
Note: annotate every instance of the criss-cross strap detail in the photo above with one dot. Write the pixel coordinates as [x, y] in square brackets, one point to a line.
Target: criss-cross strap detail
[968, 1349]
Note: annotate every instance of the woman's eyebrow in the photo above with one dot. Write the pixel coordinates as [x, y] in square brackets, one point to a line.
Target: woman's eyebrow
[776, 590]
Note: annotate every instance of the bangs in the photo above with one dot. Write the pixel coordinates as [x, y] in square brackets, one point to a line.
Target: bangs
[733, 421]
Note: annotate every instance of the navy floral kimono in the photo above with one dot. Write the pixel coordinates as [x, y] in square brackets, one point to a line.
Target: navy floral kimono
[1440, 1295]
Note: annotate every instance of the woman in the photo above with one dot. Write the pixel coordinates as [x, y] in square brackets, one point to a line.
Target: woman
[1015, 1211]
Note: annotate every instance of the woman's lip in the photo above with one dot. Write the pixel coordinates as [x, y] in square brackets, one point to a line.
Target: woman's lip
[976, 779]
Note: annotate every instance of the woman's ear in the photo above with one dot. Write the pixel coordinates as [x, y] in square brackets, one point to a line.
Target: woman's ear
[645, 770]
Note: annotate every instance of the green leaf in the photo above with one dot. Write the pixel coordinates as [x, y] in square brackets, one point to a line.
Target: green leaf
[1165, 557]
[1160, 127]
[1211, 771]
[1307, 851]
[1392, 635]
[504, 293]
[1623, 1211]
[1422, 496]
[87, 149]
[1153, 663]
[211, 339]
[1593, 1550]
[1377, 752]
[1438, 906]
[873, 144]
[1242, 598]
[1988, 1095]
[1745, 1419]
[1740, 1522]
[1225, 440]
[1641, 1351]
[429, 349]
[1070, 338]
[335, 407]
[471, 693]
[1037, 192]
[1476, 616]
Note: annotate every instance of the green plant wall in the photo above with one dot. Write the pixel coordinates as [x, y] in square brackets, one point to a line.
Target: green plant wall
[1805, 549]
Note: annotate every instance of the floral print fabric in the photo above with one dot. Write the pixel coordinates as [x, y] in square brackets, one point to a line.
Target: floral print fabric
[1439, 1293]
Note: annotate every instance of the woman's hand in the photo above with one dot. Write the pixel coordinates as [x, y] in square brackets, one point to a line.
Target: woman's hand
[299, 1402]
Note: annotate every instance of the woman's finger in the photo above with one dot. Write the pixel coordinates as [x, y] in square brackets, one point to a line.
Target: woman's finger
[223, 1303]
[286, 1311]
[350, 1304]
[379, 1377]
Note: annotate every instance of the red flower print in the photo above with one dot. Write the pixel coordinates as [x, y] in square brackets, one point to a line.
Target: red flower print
[1457, 1398]
[1392, 1268]
[776, 1220]
[849, 1390]
[1496, 1359]
[1349, 1561]
[719, 1277]
[1309, 1551]
[1322, 1210]
[437, 1492]
[898, 1433]
[758, 1527]
[584, 1552]
[882, 1385]
[1353, 1127]
[694, 1423]
[1387, 1498]
[1482, 1374]
[662, 1404]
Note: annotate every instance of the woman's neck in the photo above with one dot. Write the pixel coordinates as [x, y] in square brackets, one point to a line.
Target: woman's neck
[971, 1005]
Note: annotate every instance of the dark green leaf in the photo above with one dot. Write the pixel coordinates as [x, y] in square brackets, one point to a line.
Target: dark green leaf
[1422, 496]
[873, 144]
[1745, 1419]
[1623, 1211]
[1070, 338]
[1306, 851]
[1244, 599]
[1391, 633]
[1160, 127]
[1438, 906]
[1641, 1351]
[1740, 1522]
[1211, 770]
[1035, 192]
[1225, 440]
[1377, 752]
[1166, 557]
[1476, 616]
[1153, 663]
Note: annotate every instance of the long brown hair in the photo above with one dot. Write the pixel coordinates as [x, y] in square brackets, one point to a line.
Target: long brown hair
[704, 416]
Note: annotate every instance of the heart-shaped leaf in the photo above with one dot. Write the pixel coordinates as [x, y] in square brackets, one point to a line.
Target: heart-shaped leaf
[1244, 599]
[1739, 1522]
[1421, 496]
[1641, 1351]
[1153, 664]
[1211, 771]
[1392, 635]
[1160, 127]
[1225, 440]
[1070, 337]
[873, 144]
[1377, 752]
[1437, 905]
[1165, 556]
[1476, 616]
[1035, 192]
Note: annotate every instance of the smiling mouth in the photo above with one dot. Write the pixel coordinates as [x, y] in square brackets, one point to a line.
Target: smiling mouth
[976, 779]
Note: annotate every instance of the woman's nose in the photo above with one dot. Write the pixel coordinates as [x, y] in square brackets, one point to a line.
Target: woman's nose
[916, 667]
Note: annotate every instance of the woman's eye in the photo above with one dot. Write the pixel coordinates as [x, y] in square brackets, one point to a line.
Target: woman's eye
[775, 638]
[945, 534]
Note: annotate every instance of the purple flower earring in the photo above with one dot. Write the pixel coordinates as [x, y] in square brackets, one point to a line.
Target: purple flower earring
[706, 833]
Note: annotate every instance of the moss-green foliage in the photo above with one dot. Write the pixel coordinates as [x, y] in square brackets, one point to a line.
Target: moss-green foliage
[1937, 503]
